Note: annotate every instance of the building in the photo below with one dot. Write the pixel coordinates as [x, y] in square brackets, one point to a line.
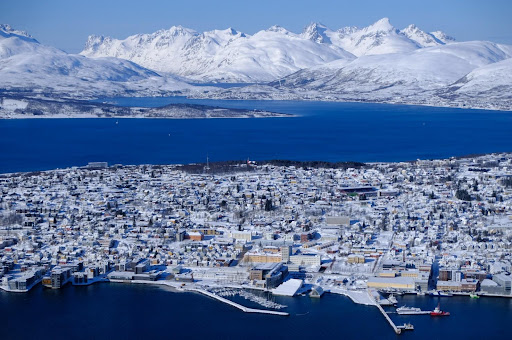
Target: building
[58, 278]
[468, 285]
[286, 252]
[316, 292]
[448, 285]
[195, 236]
[337, 220]
[491, 287]
[268, 275]
[307, 260]
[401, 283]
[262, 257]
[288, 288]
[505, 281]
[242, 236]
[353, 258]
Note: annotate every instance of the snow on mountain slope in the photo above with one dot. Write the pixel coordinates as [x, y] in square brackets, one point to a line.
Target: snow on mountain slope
[27, 65]
[317, 32]
[420, 37]
[270, 54]
[378, 38]
[398, 74]
[493, 81]
[477, 53]
[227, 55]
[6, 31]
[443, 37]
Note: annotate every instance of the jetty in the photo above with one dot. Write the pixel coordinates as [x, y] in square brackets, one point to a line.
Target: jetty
[234, 304]
[395, 328]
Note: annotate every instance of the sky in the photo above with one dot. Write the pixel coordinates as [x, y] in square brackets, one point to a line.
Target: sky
[66, 24]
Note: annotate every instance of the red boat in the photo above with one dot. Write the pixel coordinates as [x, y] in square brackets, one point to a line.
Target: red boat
[438, 312]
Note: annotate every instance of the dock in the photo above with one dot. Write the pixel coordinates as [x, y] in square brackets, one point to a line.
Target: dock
[236, 305]
[395, 328]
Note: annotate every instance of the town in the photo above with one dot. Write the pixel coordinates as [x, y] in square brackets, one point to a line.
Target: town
[363, 230]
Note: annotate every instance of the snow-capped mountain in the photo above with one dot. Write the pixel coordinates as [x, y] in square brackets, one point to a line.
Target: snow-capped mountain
[231, 56]
[441, 36]
[376, 63]
[227, 55]
[422, 38]
[491, 82]
[379, 38]
[398, 74]
[27, 65]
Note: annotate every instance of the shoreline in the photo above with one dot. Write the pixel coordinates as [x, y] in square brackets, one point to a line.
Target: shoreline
[322, 164]
[262, 113]
[297, 98]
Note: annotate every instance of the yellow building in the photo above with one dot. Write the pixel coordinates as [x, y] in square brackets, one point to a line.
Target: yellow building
[355, 258]
[405, 283]
[410, 273]
[262, 258]
[387, 273]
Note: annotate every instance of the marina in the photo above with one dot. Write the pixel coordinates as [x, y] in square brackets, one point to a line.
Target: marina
[236, 305]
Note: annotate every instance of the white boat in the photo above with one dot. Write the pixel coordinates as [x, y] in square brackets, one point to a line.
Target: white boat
[411, 311]
[392, 299]
[406, 326]
[440, 293]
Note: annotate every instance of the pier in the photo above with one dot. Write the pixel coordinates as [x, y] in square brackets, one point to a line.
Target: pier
[395, 328]
[236, 305]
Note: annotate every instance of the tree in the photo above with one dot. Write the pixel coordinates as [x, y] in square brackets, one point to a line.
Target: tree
[268, 205]
[463, 195]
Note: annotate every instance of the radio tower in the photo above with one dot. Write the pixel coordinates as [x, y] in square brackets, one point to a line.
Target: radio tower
[207, 167]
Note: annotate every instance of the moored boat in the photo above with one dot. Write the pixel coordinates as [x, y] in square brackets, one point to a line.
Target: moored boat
[404, 310]
[406, 326]
[392, 299]
[438, 312]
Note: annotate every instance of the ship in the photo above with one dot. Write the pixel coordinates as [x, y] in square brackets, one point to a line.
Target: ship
[439, 293]
[474, 296]
[392, 299]
[406, 326]
[438, 312]
[410, 311]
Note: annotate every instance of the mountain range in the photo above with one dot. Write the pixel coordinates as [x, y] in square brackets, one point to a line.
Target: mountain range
[232, 56]
[378, 63]
[27, 66]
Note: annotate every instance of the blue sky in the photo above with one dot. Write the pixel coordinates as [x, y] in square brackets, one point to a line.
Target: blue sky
[67, 23]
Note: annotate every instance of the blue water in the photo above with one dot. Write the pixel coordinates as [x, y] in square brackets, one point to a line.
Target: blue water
[121, 311]
[320, 131]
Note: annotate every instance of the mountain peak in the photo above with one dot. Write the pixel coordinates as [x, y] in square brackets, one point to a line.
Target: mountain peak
[7, 31]
[233, 32]
[94, 41]
[278, 29]
[179, 31]
[411, 28]
[316, 32]
[441, 36]
[381, 25]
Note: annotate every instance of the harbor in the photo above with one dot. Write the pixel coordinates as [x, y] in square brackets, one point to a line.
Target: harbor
[236, 305]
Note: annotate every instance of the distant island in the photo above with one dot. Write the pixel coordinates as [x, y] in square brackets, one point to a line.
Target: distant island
[12, 108]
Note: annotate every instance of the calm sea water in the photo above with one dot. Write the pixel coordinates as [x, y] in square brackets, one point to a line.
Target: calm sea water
[119, 311]
[321, 131]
